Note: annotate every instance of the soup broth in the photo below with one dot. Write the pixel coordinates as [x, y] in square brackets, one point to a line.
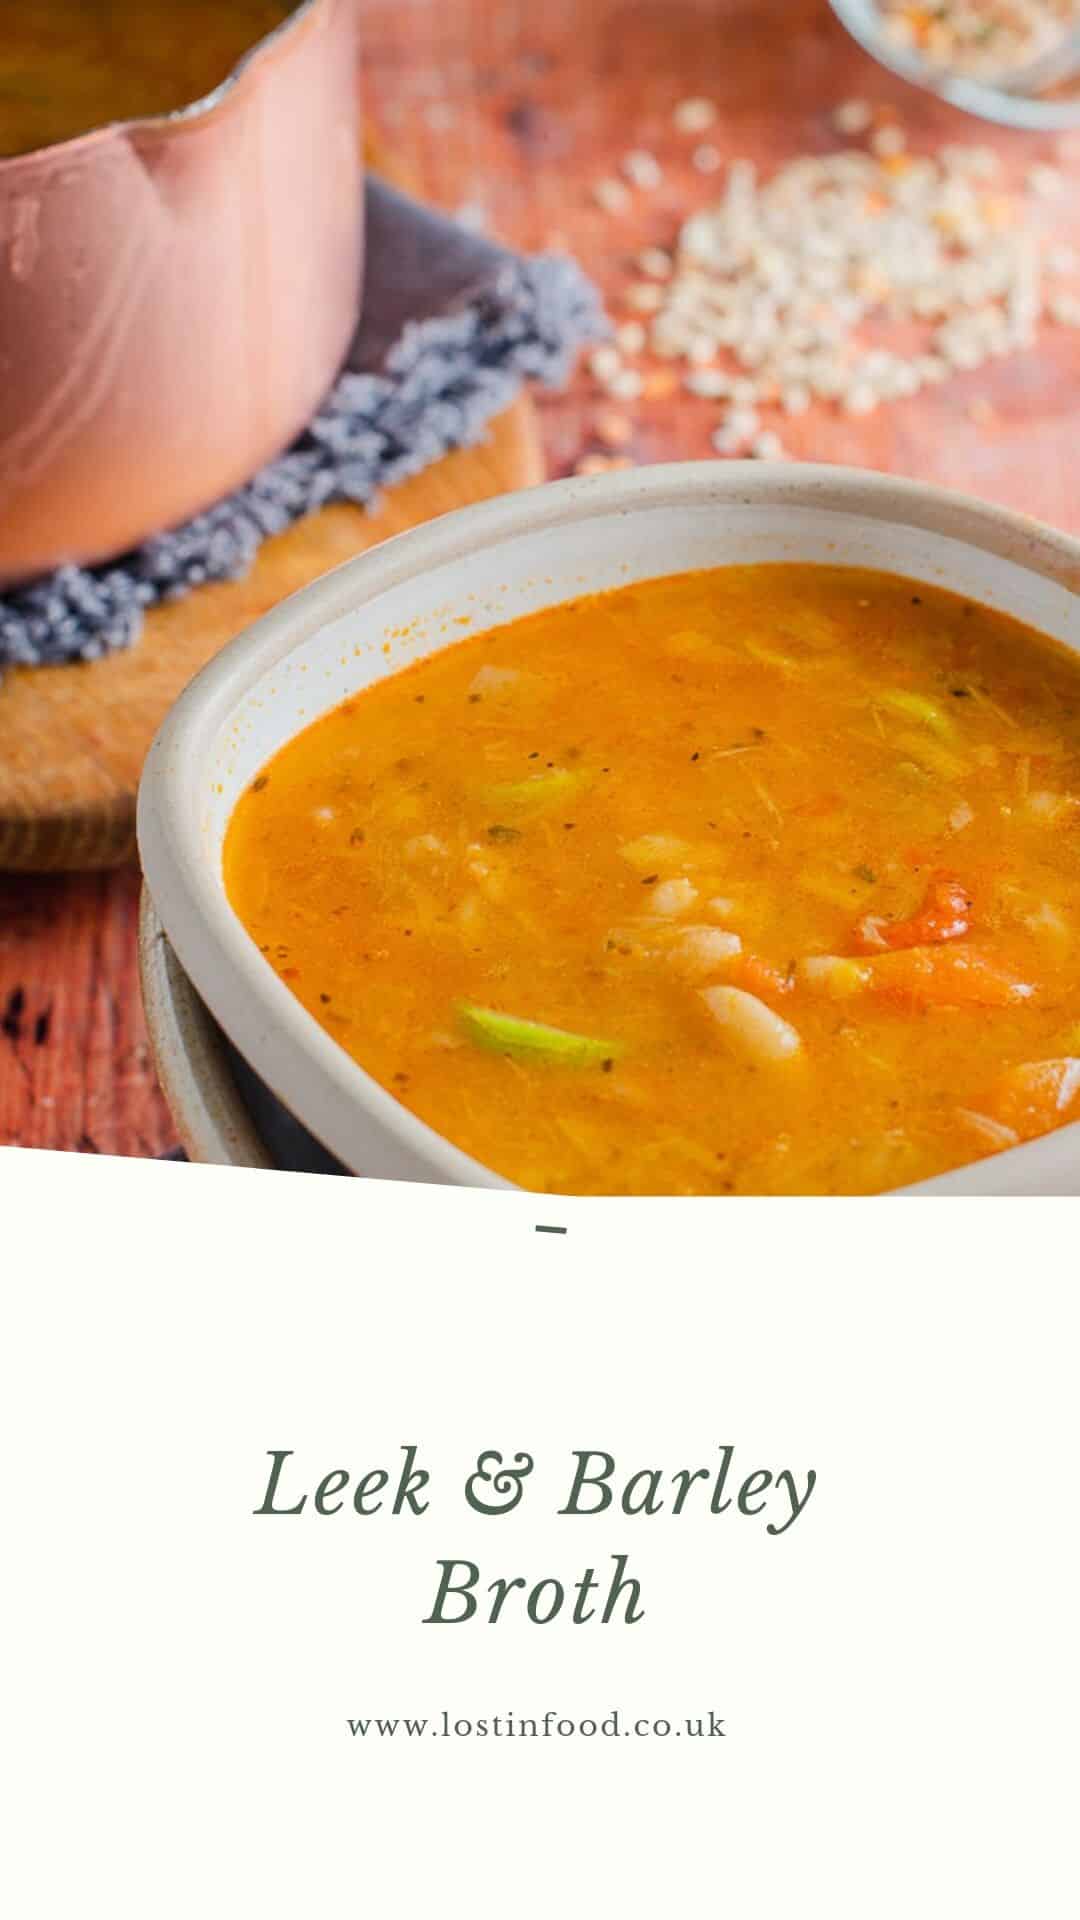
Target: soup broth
[757, 880]
[68, 66]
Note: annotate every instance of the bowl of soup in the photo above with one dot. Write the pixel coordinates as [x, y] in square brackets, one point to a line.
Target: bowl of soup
[180, 256]
[702, 830]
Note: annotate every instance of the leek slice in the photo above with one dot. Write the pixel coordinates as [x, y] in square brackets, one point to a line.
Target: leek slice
[530, 1040]
[540, 790]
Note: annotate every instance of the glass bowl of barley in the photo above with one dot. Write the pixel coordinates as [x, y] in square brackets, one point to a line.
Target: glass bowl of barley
[1013, 61]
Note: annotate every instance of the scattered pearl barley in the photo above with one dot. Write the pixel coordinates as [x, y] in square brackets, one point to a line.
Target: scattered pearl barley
[611, 195]
[888, 142]
[643, 169]
[631, 337]
[861, 398]
[708, 383]
[1064, 309]
[850, 279]
[604, 362]
[744, 421]
[626, 385]
[744, 393]
[646, 297]
[655, 262]
[613, 430]
[694, 116]
[852, 117]
[1045, 181]
[600, 463]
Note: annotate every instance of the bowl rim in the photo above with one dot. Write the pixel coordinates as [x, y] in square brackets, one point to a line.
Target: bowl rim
[1025, 112]
[301, 1063]
[191, 113]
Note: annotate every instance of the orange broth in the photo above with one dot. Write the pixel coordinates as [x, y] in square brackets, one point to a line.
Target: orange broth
[758, 880]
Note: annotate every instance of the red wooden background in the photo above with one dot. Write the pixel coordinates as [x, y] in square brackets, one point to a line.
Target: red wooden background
[513, 109]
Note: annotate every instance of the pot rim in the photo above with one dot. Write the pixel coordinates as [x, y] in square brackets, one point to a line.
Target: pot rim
[177, 118]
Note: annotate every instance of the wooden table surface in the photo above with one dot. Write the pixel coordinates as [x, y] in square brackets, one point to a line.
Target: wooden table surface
[512, 110]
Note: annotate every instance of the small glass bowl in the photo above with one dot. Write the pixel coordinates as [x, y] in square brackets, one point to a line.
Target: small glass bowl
[1039, 114]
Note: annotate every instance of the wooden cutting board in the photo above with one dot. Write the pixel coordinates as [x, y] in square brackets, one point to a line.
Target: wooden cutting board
[73, 739]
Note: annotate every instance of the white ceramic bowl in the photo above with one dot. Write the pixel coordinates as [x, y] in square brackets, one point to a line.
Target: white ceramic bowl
[214, 1125]
[493, 562]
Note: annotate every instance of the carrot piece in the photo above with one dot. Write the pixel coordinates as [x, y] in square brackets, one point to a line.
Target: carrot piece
[749, 970]
[1038, 1096]
[918, 977]
[945, 914]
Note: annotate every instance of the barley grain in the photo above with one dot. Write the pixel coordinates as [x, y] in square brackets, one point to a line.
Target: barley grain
[694, 116]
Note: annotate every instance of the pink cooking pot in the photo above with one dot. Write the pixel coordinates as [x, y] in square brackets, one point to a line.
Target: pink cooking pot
[176, 297]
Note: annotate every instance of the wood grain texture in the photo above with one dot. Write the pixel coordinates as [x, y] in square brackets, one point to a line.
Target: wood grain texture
[514, 110]
[75, 1067]
[517, 110]
[73, 739]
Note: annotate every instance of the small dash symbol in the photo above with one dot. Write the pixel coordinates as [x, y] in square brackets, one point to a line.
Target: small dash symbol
[550, 1229]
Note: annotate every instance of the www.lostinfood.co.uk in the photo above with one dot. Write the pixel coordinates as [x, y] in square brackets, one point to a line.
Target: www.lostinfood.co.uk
[546, 1726]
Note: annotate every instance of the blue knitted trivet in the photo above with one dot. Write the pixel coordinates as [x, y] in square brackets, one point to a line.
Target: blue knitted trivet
[452, 327]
